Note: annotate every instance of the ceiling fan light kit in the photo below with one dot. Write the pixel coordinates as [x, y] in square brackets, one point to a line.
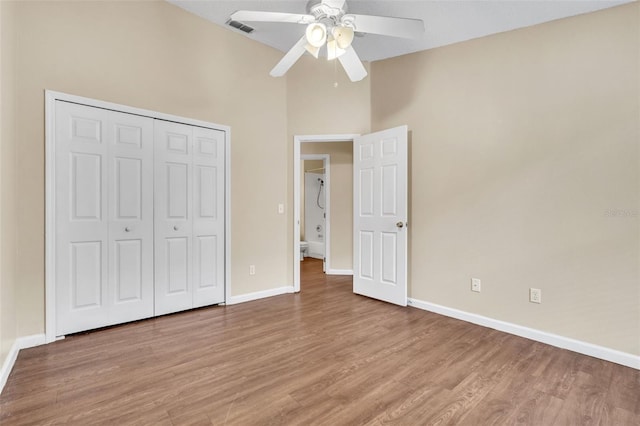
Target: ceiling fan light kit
[343, 36]
[329, 24]
[337, 41]
[316, 34]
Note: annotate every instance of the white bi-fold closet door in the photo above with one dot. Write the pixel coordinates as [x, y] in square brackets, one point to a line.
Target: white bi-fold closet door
[104, 217]
[122, 183]
[189, 217]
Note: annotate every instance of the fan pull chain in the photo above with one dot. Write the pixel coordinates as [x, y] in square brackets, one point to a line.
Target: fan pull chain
[335, 73]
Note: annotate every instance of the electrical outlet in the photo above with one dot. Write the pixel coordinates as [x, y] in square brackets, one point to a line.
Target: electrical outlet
[476, 284]
[252, 269]
[535, 295]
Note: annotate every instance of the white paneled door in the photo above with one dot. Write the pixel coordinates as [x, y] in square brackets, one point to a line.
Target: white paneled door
[380, 215]
[130, 159]
[208, 216]
[104, 217]
[189, 217]
[173, 217]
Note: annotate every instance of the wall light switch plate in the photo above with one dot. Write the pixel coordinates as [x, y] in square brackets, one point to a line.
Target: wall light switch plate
[281, 208]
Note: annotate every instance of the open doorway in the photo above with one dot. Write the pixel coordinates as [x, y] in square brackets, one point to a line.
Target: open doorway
[336, 152]
[315, 209]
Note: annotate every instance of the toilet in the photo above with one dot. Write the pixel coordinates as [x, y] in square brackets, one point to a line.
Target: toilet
[304, 248]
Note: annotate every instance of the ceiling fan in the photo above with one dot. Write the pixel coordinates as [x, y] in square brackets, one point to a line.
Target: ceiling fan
[329, 25]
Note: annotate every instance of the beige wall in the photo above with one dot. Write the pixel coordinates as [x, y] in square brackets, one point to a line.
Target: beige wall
[309, 165]
[522, 143]
[8, 329]
[156, 56]
[316, 107]
[341, 202]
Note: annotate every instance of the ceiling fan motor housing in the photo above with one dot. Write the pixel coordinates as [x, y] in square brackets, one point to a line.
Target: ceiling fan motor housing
[323, 11]
[330, 16]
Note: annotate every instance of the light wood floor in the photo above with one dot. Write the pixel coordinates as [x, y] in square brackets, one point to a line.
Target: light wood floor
[324, 356]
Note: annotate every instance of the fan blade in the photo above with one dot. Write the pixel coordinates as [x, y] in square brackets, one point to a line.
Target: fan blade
[352, 65]
[289, 58]
[384, 25]
[258, 16]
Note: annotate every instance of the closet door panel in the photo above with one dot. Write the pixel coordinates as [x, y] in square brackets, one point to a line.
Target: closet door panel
[177, 191]
[208, 220]
[206, 249]
[131, 248]
[81, 233]
[127, 187]
[128, 271]
[86, 275]
[173, 217]
[177, 265]
[86, 187]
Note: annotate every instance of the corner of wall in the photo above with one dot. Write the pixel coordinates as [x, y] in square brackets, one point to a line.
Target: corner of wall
[8, 329]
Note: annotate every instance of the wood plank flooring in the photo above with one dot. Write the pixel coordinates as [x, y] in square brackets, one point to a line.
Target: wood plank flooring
[324, 356]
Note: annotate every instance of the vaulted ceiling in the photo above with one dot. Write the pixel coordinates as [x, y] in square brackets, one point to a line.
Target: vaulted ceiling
[446, 21]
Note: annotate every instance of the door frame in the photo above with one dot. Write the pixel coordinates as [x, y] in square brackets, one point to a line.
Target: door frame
[326, 162]
[50, 194]
[297, 141]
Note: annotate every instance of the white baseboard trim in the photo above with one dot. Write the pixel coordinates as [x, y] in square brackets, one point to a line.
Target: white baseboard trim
[7, 366]
[579, 346]
[339, 271]
[233, 300]
[27, 342]
[20, 343]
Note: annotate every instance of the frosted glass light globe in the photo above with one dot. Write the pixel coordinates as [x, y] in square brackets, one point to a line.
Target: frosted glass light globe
[316, 34]
[343, 36]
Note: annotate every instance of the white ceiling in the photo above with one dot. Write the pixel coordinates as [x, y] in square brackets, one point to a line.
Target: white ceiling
[446, 21]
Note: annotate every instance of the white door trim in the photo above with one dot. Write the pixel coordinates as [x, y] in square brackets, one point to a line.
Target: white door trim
[297, 141]
[50, 220]
[326, 162]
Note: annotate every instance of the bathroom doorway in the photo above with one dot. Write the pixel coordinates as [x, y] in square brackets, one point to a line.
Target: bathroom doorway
[338, 207]
[314, 207]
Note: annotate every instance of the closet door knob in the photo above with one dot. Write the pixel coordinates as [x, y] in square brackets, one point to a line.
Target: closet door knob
[399, 224]
[175, 228]
[127, 229]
